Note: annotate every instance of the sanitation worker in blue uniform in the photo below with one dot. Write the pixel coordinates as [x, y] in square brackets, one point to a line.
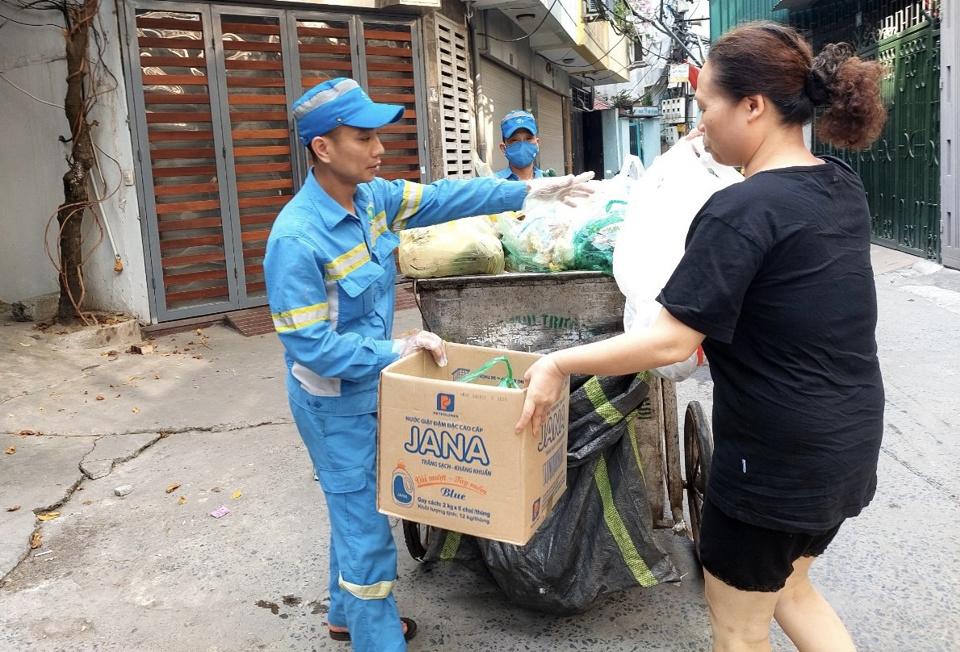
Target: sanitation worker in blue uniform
[520, 145]
[330, 274]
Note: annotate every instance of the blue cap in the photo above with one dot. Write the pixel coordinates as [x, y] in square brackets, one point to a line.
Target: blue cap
[517, 120]
[337, 102]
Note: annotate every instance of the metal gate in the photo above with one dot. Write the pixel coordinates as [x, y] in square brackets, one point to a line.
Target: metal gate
[210, 87]
[901, 172]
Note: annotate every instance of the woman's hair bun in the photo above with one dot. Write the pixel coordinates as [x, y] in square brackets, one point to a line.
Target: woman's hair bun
[823, 72]
[849, 88]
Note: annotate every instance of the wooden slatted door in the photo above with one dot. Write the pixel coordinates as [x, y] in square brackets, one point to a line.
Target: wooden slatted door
[325, 51]
[219, 157]
[391, 66]
[179, 159]
[260, 137]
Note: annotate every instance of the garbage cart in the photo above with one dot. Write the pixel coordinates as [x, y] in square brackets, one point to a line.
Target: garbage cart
[544, 312]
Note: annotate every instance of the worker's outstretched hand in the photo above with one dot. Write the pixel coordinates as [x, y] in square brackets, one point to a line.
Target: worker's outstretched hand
[545, 384]
[426, 341]
[567, 189]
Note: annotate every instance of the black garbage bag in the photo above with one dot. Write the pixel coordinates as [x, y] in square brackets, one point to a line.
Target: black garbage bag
[599, 538]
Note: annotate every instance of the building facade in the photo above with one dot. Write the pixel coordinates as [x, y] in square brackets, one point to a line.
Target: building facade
[197, 148]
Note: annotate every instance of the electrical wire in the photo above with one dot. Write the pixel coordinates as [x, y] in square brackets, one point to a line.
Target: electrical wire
[20, 22]
[30, 95]
[528, 34]
[570, 51]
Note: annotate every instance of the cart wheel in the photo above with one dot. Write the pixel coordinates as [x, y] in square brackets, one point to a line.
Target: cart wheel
[698, 451]
[415, 536]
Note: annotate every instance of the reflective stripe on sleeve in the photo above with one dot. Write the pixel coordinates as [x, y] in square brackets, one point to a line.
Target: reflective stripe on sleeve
[409, 205]
[298, 318]
[340, 266]
[378, 226]
[376, 591]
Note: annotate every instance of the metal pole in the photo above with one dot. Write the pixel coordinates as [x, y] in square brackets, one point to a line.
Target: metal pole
[475, 64]
[118, 262]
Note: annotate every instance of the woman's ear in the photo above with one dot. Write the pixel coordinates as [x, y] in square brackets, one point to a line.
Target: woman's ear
[755, 106]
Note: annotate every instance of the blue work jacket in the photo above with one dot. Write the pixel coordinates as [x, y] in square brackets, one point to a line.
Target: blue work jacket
[330, 279]
[508, 174]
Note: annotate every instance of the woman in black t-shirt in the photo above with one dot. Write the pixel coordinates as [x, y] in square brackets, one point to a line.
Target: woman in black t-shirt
[776, 284]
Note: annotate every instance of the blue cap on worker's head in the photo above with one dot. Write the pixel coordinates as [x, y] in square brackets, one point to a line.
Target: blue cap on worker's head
[337, 102]
[517, 120]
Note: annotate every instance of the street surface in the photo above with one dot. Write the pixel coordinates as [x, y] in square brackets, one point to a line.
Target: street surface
[202, 422]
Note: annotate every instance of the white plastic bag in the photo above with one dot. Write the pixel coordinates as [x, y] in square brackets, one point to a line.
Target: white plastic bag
[544, 240]
[651, 243]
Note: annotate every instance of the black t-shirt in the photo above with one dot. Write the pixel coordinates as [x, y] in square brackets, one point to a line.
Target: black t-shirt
[777, 275]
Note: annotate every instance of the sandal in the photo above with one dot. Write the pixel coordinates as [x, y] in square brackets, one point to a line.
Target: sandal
[408, 634]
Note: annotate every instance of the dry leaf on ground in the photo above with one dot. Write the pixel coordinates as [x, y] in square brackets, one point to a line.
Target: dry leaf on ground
[36, 540]
[236, 494]
[11, 450]
[173, 487]
[135, 410]
[13, 508]
[48, 516]
[181, 500]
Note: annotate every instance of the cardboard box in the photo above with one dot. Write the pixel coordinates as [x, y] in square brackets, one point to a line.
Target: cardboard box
[447, 452]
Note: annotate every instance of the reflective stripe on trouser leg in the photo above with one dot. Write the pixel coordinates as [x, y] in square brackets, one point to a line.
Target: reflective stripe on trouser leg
[376, 591]
[343, 450]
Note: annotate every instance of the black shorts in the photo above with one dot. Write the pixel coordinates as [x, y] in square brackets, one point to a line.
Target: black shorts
[752, 558]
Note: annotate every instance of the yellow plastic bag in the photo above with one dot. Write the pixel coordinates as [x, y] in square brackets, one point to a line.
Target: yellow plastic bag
[458, 248]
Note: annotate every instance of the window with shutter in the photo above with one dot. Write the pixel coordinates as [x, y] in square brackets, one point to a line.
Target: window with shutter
[456, 98]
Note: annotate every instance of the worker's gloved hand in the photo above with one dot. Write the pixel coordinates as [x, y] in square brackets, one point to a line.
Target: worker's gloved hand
[424, 340]
[566, 189]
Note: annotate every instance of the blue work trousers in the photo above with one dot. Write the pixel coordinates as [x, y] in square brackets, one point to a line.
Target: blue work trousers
[363, 556]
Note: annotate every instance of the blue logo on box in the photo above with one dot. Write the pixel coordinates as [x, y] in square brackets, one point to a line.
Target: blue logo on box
[445, 402]
[402, 487]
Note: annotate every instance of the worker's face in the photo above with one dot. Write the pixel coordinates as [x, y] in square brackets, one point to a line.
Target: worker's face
[520, 136]
[350, 153]
[729, 126]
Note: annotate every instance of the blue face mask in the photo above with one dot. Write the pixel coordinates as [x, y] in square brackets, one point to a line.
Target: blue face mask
[521, 153]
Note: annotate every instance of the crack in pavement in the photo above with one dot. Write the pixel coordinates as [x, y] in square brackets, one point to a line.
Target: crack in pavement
[116, 460]
[218, 427]
[36, 528]
[161, 434]
[933, 482]
[83, 374]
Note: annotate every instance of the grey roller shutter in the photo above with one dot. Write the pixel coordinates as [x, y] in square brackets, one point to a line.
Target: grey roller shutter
[550, 126]
[500, 91]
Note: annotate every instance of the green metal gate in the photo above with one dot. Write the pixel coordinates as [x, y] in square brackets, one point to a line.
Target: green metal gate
[901, 172]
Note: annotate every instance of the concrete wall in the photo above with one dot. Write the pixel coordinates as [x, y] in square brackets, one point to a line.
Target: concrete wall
[950, 134]
[32, 166]
[616, 141]
[650, 132]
